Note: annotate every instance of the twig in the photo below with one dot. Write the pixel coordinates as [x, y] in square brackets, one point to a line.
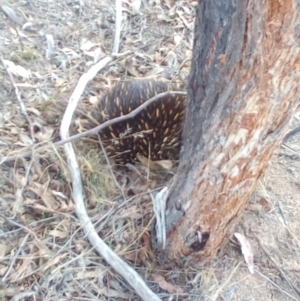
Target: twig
[290, 148]
[283, 274]
[15, 257]
[98, 128]
[81, 255]
[190, 25]
[117, 26]
[19, 193]
[290, 134]
[31, 224]
[21, 226]
[223, 285]
[275, 285]
[180, 69]
[110, 168]
[23, 295]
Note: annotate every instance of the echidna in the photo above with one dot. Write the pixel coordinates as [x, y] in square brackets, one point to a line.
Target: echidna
[154, 133]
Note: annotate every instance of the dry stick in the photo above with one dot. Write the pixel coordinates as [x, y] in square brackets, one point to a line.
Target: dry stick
[100, 127]
[26, 228]
[117, 26]
[291, 133]
[17, 230]
[276, 286]
[19, 193]
[15, 257]
[223, 285]
[110, 168]
[283, 274]
[84, 289]
[115, 261]
[23, 295]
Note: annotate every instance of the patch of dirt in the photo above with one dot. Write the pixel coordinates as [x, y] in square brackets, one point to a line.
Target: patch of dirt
[44, 253]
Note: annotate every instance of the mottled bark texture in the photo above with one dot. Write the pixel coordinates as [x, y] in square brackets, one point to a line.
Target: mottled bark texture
[243, 90]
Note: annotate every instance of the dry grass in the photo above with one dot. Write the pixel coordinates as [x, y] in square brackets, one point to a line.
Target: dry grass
[43, 250]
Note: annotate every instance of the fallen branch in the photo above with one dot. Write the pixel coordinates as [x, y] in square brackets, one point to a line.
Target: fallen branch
[113, 260]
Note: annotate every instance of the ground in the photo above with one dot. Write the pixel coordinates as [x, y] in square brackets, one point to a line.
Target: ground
[44, 253]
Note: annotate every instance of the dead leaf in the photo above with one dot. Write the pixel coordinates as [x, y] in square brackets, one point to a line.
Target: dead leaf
[33, 26]
[136, 5]
[154, 71]
[136, 211]
[38, 207]
[17, 70]
[265, 204]
[56, 260]
[60, 82]
[246, 250]
[262, 205]
[131, 256]
[43, 249]
[167, 286]
[25, 139]
[111, 293]
[37, 168]
[155, 165]
[59, 234]
[145, 251]
[91, 274]
[23, 269]
[87, 45]
[70, 53]
[50, 45]
[59, 194]
[13, 31]
[93, 100]
[3, 270]
[130, 67]
[177, 39]
[15, 131]
[26, 85]
[34, 111]
[163, 164]
[67, 207]
[171, 59]
[2, 250]
[45, 195]
[11, 14]
[254, 207]
[12, 291]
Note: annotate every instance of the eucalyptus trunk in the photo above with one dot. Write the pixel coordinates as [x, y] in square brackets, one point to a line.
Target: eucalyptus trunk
[243, 90]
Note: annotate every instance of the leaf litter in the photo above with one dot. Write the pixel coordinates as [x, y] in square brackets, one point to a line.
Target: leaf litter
[43, 250]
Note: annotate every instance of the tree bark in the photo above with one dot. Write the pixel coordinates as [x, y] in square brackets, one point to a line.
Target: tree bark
[243, 90]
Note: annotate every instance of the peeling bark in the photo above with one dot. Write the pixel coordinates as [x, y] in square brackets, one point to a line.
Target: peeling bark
[243, 90]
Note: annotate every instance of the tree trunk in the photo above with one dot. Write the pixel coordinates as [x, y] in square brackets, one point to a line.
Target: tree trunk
[243, 90]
